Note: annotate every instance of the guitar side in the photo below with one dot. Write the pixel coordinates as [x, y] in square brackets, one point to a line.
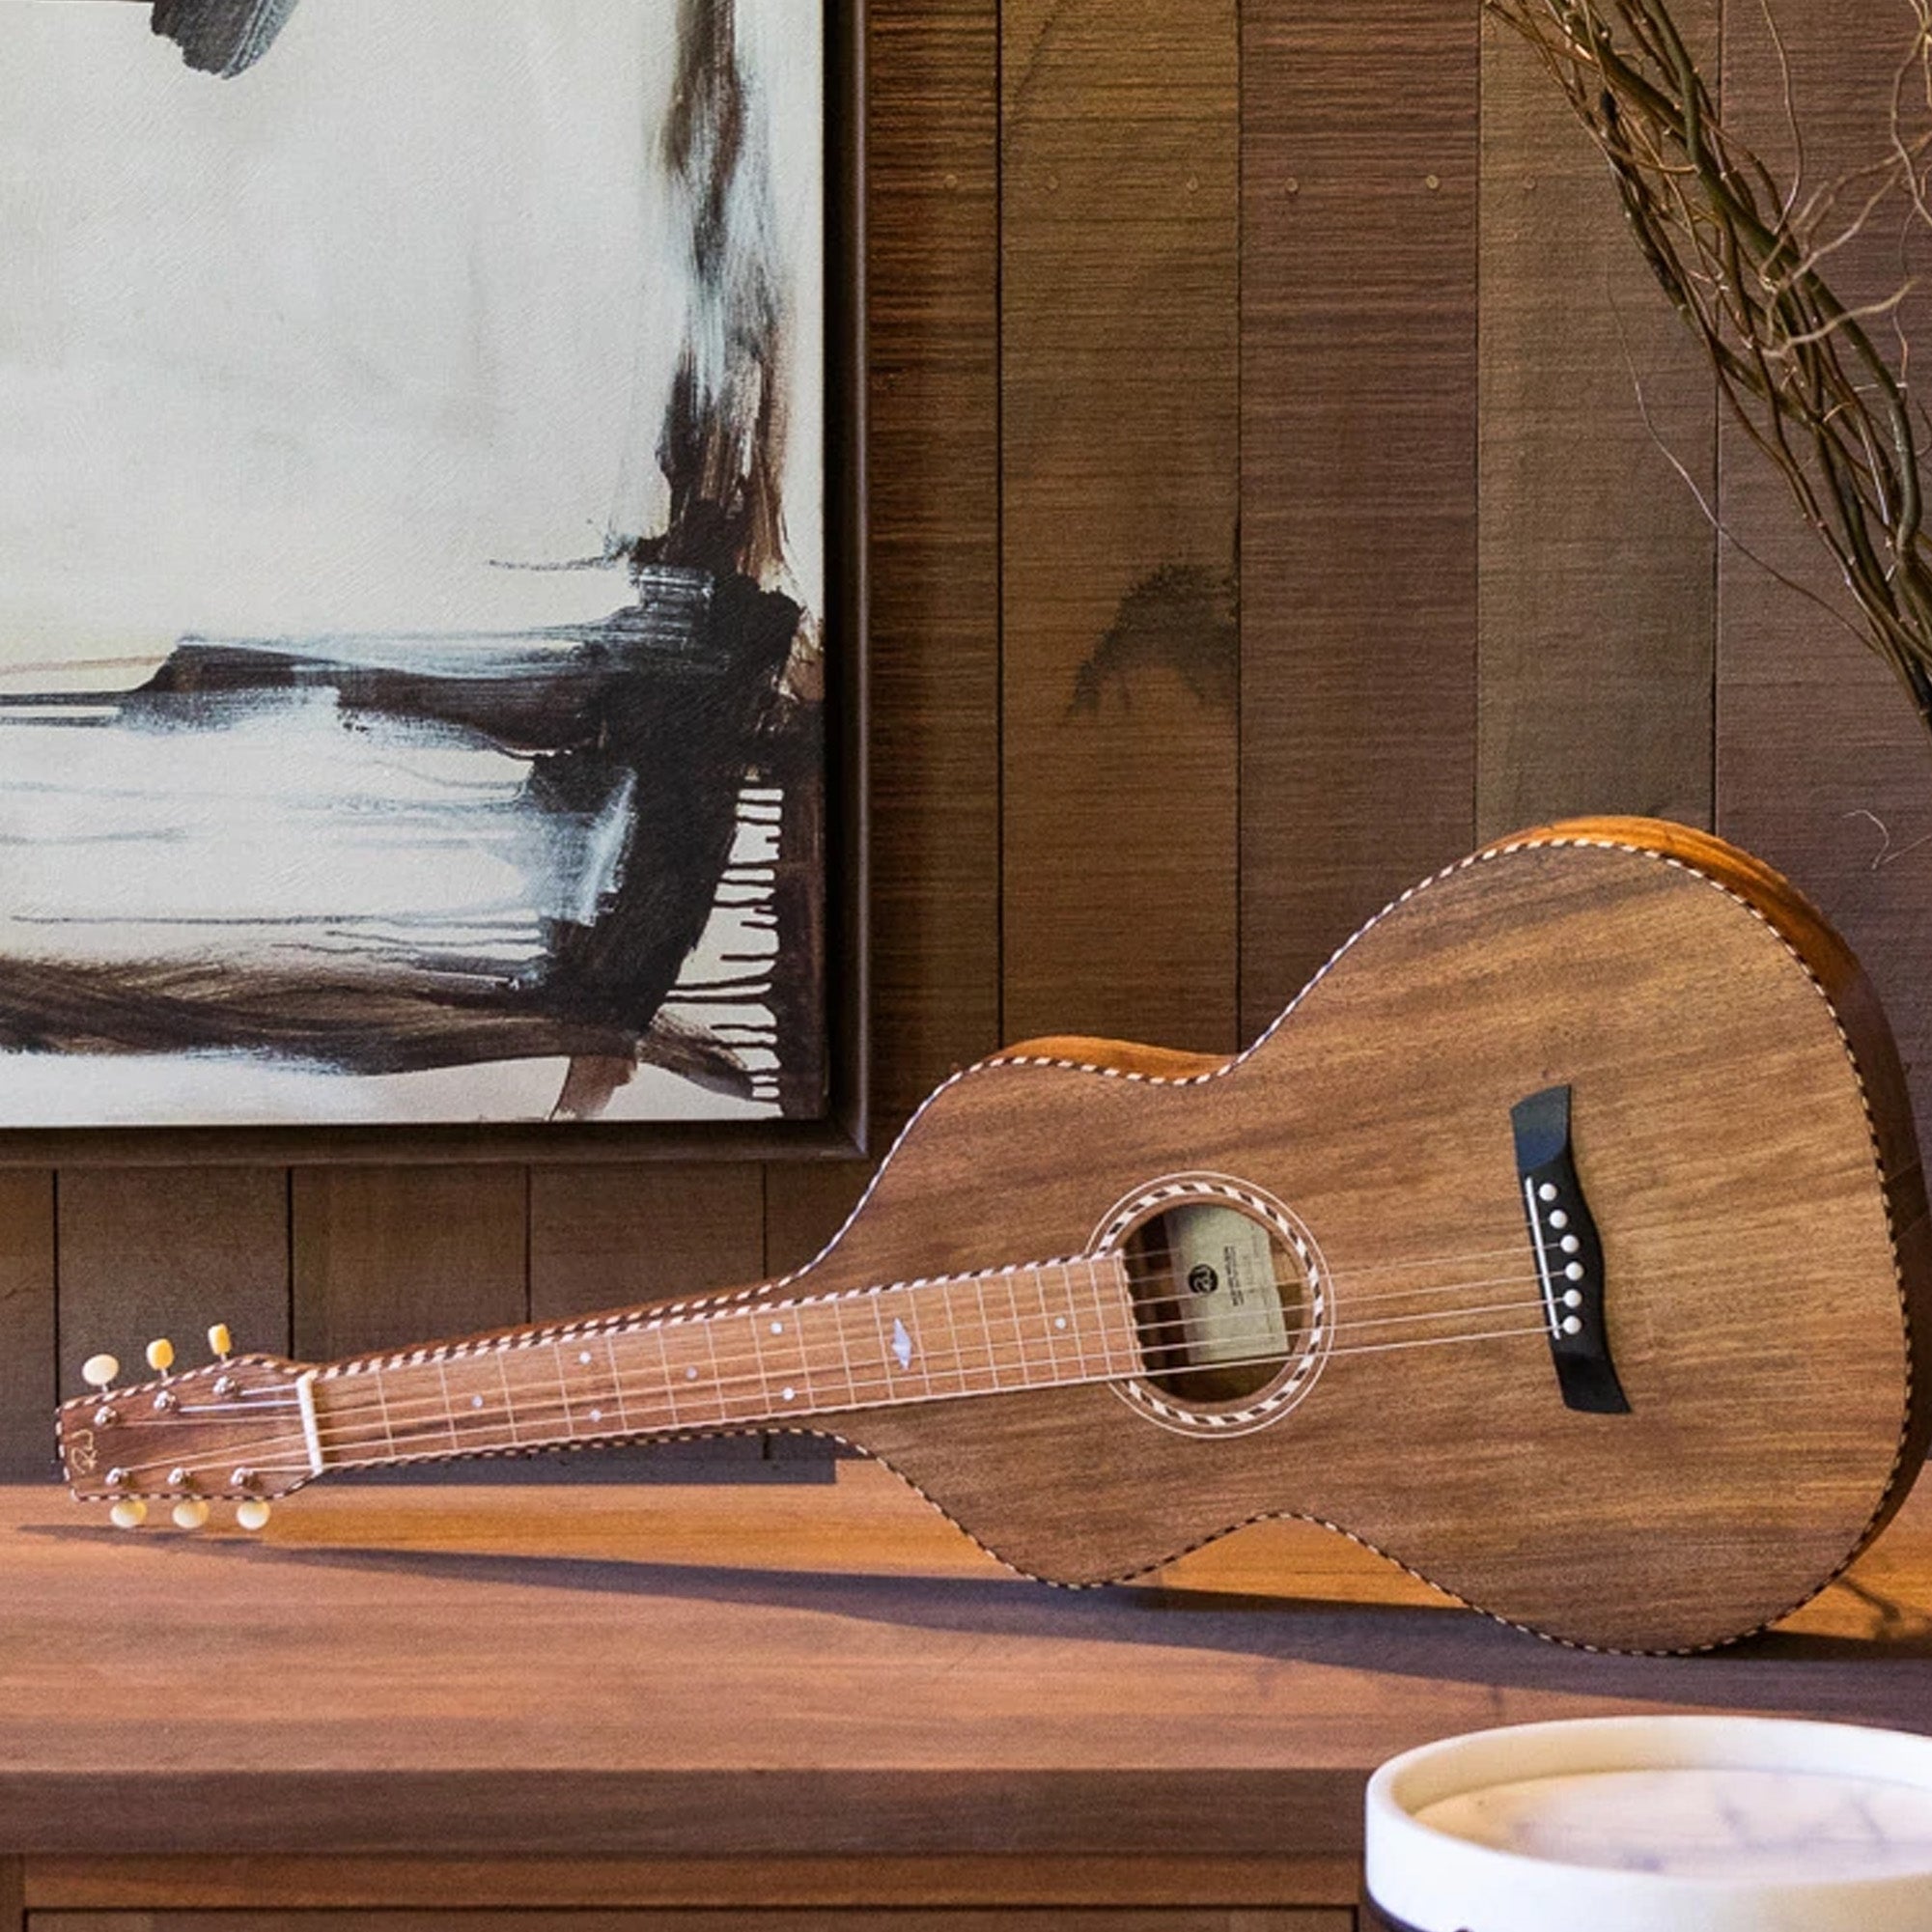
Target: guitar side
[1742, 1133]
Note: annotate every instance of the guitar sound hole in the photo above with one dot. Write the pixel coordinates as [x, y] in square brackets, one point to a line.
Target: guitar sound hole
[1221, 1300]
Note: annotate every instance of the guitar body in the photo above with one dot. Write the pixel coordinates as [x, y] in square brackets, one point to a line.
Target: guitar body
[1741, 1132]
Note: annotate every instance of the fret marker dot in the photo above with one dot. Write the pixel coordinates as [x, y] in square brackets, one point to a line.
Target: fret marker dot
[691, 1375]
[583, 1356]
[777, 1328]
[597, 1414]
[1061, 1322]
[788, 1393]
[476, 1402]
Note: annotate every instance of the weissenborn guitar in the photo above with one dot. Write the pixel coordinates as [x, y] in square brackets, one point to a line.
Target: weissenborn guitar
[1565, 1241]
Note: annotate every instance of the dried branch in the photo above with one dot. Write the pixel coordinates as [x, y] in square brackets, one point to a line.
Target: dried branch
[1743, 263]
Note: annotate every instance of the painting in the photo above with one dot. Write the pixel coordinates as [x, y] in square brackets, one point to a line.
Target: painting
[412, 561]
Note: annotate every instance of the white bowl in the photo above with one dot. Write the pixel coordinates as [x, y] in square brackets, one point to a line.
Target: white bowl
[1663, 1824]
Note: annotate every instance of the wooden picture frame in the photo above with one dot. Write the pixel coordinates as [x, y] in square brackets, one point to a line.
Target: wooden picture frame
[841, 1130]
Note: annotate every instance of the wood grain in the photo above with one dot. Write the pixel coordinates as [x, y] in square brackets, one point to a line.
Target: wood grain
[147, 1251]
[933, 268]
[1822, 765]
[378, 1252]
[933, 323]
[842, 1640]
[1120, 488]
[29, 1380]
[899, 1918]
[1597, 572]
[603, 1236]
[1358, 452]
[334, 1884]
[1719, 1117]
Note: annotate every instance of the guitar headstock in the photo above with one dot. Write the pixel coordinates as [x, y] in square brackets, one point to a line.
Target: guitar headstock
[237, 1428]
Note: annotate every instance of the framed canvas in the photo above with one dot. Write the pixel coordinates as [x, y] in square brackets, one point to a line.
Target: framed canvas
[430, 578]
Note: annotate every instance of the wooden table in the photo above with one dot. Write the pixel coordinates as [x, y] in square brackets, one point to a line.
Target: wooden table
[790, 1701]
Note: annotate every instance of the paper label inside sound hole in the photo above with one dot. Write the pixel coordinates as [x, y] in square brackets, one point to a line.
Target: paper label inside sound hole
[1224, 1285]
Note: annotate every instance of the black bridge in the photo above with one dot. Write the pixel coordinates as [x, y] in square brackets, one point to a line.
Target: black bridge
[1569, 1256]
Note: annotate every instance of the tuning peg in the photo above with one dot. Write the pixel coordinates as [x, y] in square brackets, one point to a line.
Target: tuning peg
[190, 1514]
[98, 1371]
[128, 1514]
[161, 1354]
[220, 1341]
[252, 1514]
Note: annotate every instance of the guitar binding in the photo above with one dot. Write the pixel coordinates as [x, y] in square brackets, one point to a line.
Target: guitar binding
[1258, 1374]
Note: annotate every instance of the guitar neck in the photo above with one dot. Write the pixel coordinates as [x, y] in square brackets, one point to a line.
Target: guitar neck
[761, 1360]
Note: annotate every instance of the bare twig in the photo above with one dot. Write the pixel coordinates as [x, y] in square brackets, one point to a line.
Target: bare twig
[1742, 261]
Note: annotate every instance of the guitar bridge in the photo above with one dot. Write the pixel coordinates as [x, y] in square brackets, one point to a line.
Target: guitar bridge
[1569, 1256]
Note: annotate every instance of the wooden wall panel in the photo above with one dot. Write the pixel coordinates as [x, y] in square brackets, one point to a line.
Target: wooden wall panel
[1359, 449]
[602, 1237]
[148, 1252]
[1120, 493]
[386, 1256]
[933, 473]
[1597, 572]
[1822, 766]
[30, 1381]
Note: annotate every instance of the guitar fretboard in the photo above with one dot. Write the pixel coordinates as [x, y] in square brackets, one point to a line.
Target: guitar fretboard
[733, 1366]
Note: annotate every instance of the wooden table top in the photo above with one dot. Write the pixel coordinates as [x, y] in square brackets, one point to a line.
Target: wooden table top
[779, 1668]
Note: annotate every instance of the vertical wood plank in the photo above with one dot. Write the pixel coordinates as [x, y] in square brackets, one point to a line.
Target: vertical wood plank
[604, 1237]
[1597, 572]
[1822, 766]
[388, 1256]
[1358, 446]
[147, 1251]
[1120, 463]
[30, 1382]
[932, 389]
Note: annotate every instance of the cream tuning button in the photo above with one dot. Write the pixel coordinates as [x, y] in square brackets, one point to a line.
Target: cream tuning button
[160, 1355]
[252, 1514]
[220, 1342]
[128, 1514]
[190, 1514]
[98, 1371]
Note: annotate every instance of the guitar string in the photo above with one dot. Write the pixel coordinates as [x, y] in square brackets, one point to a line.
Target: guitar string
[1143, 1327]
[287, 1441]
[752, 1367]
[359, 1426]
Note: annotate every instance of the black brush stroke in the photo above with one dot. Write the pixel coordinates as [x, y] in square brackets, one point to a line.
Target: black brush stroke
[223, 37]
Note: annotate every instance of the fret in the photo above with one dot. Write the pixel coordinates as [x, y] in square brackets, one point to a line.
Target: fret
[851, 1395]
[667, 1378]
[477, 1401]
[906, 1318]
[449, 1409]
[985, 1335]
[508, 1404]
[744, 1364]
[1108, 1368]
[1027, 1375]
[784, 1360]
[374, 1375]
[1047, 1325]
[531, 1388]
[717, 1378]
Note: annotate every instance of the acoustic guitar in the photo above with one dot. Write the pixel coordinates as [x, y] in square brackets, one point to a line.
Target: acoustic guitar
[1565, 1241]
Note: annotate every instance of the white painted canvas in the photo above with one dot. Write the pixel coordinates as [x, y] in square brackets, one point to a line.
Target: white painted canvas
[411, 560]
